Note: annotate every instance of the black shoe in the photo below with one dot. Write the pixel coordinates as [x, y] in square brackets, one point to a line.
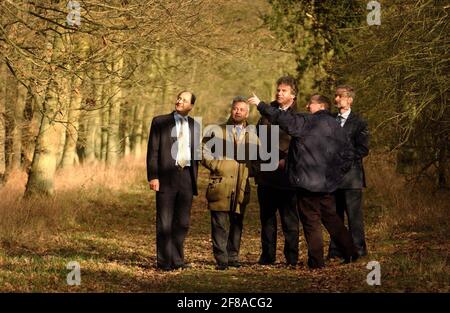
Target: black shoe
[165, 268]
[221, 267]
[291, 265]
[234, 264]
[264, 262]
[183, 266]
[351, 259]
[315, 264]
[334, 256]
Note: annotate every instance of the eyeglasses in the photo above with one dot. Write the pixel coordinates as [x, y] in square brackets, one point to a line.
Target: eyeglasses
[182, 100]
[344, 95]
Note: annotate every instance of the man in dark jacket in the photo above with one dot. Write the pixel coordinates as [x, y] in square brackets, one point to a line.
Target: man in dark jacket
[349, 193]
[274, 192]
[172, 173]
[319, 156]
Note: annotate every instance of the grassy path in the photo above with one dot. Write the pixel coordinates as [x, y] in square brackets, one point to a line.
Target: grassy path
[113, 240]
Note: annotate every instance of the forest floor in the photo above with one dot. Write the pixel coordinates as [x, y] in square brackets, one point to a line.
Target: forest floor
[111, 233]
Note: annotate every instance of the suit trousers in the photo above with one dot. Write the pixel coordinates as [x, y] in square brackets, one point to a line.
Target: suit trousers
[270, 200]
[226, 240]
[173, 210]
[349, 202]
[315, 208]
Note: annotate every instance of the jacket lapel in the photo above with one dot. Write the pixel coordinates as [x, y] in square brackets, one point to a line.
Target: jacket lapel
[349, 120]
[192, 140]
[172, 125]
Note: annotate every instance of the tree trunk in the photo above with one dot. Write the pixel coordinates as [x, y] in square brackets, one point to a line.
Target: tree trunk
[43, 167]
[69, 155]
[98, 135]
[71, 135]
[22, 92]
[30, 129]
[149, 112]
[126, 122]
[93, 131]
[125, 132]
[10, 124]
[138, 120]
[2, 120]
[104, 118]
[113, 146]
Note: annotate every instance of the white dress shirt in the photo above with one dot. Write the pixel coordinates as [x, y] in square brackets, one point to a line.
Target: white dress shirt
[186, 144]
[344, 117]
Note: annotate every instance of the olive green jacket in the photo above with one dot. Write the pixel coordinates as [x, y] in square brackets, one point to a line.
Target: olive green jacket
[228, 188]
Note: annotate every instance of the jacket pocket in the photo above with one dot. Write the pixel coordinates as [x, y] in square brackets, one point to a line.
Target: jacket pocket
[218, 189]
[225, 167]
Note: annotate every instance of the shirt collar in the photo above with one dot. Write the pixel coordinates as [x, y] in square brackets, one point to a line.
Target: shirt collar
[345, 114]
[285, 108]
[179, 116]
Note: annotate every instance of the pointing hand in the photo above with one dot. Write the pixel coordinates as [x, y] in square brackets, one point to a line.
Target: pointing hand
[254, 100]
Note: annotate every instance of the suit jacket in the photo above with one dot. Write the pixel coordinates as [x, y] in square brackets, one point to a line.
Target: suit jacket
[160, 163]
[277, 178]
[357, 132]
[319, 152]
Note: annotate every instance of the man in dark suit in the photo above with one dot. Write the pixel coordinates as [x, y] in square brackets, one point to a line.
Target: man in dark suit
[319, 156]
[172, 172]
[349, 193]
[274, 192]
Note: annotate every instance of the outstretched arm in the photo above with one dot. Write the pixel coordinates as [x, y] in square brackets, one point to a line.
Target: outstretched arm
[288, 121]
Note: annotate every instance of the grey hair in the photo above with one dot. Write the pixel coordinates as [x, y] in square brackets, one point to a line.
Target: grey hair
[239, 99]
[348, 89]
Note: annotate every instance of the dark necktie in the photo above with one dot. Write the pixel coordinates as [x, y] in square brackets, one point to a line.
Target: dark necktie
[340, 118]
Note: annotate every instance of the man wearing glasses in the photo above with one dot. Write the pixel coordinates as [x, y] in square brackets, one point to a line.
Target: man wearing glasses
[172, 173]
[318, 157]
[349, 193]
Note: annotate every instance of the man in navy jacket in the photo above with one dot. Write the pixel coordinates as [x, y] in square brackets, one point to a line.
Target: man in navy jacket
[349, 193]
[318, 158]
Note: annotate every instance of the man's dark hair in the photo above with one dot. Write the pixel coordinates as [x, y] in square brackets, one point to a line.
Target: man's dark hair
[322, 100]
[290, 81]
[193, 97]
